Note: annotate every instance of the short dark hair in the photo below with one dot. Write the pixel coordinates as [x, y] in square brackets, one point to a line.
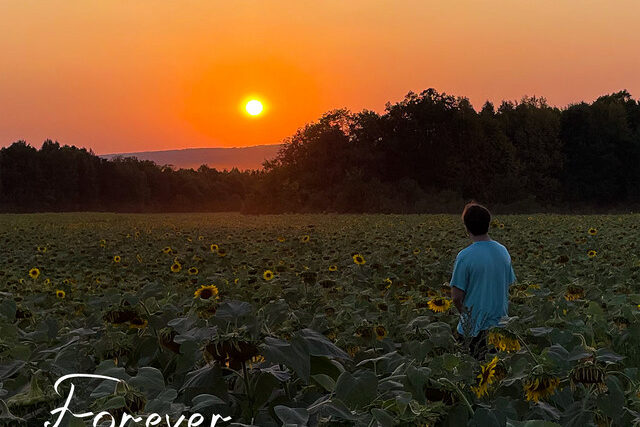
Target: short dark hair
[476, 218]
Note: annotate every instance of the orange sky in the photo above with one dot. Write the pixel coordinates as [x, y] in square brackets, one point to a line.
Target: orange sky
[124, 76]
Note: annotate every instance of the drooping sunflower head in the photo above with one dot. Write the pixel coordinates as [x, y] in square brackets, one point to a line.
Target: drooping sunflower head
[439, 304]
[34, 273]
[593, 231]
[486, 377]
[117, 258]
[588, 373]
[193, 271]
[540, 386]
[206, 292]
[176, 267]
[138, 323]
[381, 332]
[222, 252]
[42, 249]
[359, 259]
[60, 294]
[592, 253]
[268, 275]
[574, 292]
[503, 340]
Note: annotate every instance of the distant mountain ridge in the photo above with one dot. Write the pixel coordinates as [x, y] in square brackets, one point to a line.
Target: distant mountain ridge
[220, 158]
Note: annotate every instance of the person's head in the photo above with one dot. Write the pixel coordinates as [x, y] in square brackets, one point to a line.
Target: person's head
[476, 218]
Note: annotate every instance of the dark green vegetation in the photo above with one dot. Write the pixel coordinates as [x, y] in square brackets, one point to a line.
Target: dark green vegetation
[426, 153]
[297, 332]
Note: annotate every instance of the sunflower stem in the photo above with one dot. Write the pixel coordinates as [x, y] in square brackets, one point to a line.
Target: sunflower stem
[462, 396]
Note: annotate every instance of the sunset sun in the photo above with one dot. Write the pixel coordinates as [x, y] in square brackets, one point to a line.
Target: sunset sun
[254, 107]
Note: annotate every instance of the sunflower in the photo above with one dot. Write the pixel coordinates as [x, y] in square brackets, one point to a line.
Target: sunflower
[222, 252]
[486, 377]
[60, 294]
[501, 226]
[388, 282]
[381, 332]
[193, 271]
[538, 387]
[593, 231]
[117, 259]
[206, 292]
[213, 247]
[333, 267]
[439, 305]
[504, 340]
[166, 249]
[103, 243]
[358, 259]
[574, 293]
[268, 275]
[592, 253]
[47, 281]
[34, 273]
[138, 323]
[281, 239]
[305, 238]
[176, 267]
[588, 373]
[42, 249]
[416, 251]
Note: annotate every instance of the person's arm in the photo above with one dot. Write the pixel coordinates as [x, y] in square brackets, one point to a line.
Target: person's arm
[459, 283]
[457, 295]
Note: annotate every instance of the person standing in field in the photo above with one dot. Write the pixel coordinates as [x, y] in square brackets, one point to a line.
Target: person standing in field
[482, 274]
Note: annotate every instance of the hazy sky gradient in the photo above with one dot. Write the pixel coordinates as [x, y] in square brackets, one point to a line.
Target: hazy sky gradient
[123, 76]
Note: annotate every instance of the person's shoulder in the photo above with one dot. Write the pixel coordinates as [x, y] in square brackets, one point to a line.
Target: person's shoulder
[464, 252]
[502, 247]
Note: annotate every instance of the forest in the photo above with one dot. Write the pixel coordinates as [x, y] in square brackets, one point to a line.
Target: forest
[430, 152]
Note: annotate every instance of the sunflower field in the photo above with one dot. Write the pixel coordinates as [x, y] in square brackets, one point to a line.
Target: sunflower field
[313, 320]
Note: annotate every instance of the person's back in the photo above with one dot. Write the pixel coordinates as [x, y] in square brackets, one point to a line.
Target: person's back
[481, 277]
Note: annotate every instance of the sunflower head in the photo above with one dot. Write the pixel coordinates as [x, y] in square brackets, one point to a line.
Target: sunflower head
[359, 259]
[416, 251]
[117, 259]
[268, 275]
[222, 252]
[176, 267]
[574, 292]
[193, 271]
[486, 377]
[503, 340]
[305, 238]
[592, 253]
[588, 373]
[381, 332]
[60, 294]
[333, 267]
[34, 273]
[540, 386]
[281, 239]
[593, 231]
[206, 292]
[166, 249]
[213, 247]
[42, 249]
[439, 304]
[138, 323]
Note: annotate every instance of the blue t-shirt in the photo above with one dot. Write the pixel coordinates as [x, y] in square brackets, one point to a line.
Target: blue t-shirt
[483, 271]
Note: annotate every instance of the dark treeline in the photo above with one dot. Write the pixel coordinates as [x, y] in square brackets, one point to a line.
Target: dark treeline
[427, 153]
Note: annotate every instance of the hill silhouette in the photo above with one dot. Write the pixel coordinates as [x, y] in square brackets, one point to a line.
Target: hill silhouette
[242, 158]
